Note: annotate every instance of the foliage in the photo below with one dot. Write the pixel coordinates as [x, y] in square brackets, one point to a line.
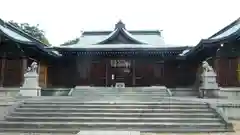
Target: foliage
[32, 30]
[70, 42]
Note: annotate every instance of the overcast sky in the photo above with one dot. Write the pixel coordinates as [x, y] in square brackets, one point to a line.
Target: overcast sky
[184, 22]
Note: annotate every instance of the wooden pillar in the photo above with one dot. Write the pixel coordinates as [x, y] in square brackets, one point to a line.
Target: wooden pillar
[24, 68]
[3, 63]
[133, 73]
[238, 69]
[106, 72]
[42, 75]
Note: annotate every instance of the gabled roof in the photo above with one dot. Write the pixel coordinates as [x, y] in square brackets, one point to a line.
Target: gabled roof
[229, 33]
[120, 36]
[90, 38]
[23, 38]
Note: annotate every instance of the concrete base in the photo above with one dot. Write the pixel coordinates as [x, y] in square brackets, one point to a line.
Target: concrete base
[125, 88]
[30, 91]
[187, 91]
[230, 92]
[9, 92]
[214, 93]
[109, 133]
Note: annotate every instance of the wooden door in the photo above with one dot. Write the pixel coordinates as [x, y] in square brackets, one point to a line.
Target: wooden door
[144, 75]
[158, 72]
[98, 73]
[13, 73]
[120, 71]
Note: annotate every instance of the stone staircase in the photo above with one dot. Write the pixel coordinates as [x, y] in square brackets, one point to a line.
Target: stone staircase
[126, 94]
[69, 115]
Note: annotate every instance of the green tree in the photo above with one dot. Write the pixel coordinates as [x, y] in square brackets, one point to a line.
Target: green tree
[32, 30]
[70, 42]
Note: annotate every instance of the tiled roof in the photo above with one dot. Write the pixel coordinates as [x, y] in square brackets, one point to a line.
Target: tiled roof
[90, 38]
[19, 36]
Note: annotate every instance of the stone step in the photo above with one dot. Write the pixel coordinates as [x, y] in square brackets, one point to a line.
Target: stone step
[121, 92]
[117, 94]
[112, 106]
[126, 88]
[74, 131]
[77, 102]
[70, 115]
[39, 131]
[110, 110]
[112, 98]
[94, 114]
[121, 89]
[112, 119]
[123, 95]
[118, 91]
[119, 125]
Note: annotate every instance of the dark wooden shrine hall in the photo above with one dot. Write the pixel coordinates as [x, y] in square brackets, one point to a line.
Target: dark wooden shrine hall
[104, 58]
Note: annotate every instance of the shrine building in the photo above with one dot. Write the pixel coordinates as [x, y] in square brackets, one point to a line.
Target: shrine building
[137, 58]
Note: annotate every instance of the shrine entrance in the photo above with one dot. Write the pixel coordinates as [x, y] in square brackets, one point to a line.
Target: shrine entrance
[121, 72]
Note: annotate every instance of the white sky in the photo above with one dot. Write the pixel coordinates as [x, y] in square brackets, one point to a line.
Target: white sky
[184, 22]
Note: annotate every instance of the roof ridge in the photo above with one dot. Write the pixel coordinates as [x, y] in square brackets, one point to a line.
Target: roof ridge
[116, 32]
[133, 32]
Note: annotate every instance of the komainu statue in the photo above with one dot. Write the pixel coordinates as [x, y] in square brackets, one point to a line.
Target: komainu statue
[206, 67]
[33, 67]
[208, 81]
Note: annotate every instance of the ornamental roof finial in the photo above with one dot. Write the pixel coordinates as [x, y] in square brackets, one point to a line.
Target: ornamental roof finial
[119, 25]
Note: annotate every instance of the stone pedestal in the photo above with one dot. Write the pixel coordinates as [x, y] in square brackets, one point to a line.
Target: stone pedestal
[31, 85]
[209, 85]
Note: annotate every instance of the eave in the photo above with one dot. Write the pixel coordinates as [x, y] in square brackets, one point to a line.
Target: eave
[24, 40]
[168, 49]
[163, 53]
[215, 43]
